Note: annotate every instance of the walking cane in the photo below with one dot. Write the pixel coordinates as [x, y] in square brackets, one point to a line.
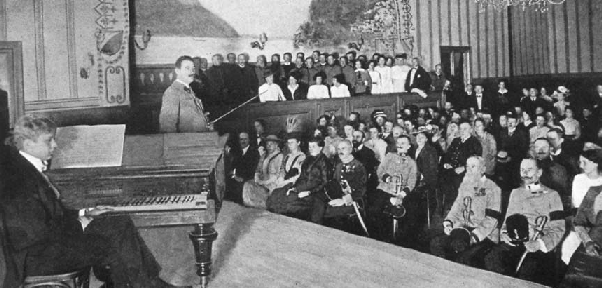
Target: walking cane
[540, 221]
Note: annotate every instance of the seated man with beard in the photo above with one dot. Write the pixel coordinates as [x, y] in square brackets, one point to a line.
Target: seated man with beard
[535, 224]
[473, 217]
[553, 174]
[297, 199]
[348, 185]
[255, 192]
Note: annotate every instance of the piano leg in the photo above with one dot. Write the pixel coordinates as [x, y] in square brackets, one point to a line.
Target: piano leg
[202, 240]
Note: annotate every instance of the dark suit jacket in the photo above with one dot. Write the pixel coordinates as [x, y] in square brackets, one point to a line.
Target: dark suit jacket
[367, 158]
[529, 105]
[556, 177]
[248, 85]
[246, 164]
[300, 93]
[516, 145]
[422, 80]
[458, 151]
[487, 103]
[315, 172]
[427, 165]
[217, 83]
[33, 218]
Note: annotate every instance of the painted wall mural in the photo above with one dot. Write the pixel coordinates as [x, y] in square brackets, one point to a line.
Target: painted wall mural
[205, 27]
[112, 42]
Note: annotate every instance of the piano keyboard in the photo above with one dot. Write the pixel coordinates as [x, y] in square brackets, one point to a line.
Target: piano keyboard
[161, 203]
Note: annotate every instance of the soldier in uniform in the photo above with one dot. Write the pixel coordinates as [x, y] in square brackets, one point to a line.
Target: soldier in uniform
[534, 225]
[348, 185]
[476, 211]
[396, 173]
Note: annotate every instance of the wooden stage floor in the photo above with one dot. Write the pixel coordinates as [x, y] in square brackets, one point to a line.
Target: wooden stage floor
[255, 248]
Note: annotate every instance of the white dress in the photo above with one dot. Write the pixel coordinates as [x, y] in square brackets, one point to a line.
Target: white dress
[376, 82]
[271, 92]
[339, 92]
[398, 76]
[318, 92]
[581, 185]
[385, 78]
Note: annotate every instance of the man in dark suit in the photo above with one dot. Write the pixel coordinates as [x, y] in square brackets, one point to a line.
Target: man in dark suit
[565, 153]
[248, 81]
[217, 85]
[418, 77]
[200, 85]
[243, 168]
[43, 237]
[553, 174]
[481, 101]
[287, 65]
[364, 154]
[515, 144]
[529, 104]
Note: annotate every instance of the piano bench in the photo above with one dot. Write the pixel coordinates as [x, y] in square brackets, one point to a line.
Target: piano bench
[76, 279]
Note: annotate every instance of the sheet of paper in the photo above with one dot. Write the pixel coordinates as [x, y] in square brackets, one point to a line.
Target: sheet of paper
[89, 146]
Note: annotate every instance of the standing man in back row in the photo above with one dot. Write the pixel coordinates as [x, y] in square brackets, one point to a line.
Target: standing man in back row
[417, 78]
[181, 111]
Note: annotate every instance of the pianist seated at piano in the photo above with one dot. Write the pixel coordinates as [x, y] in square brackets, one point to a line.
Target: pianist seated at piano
[270, 91]
[296, 200]
[43, 237]
[181, 111]
[255, 192]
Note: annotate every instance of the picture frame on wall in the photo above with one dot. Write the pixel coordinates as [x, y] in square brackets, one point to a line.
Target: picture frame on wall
[12, 100]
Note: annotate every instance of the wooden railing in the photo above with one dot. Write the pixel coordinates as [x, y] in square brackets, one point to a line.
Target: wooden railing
[146, 111]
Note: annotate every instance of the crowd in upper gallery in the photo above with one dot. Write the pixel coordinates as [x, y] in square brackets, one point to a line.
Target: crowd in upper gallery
[319, 76]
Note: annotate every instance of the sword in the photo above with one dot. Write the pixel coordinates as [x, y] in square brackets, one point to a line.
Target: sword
[359, 216]
[541, 222]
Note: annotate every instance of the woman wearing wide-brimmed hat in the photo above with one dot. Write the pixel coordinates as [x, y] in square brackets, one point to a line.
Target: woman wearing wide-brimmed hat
[256, 191]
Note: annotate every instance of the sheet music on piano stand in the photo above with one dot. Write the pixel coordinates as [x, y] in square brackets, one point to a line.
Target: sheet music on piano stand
[89, 146]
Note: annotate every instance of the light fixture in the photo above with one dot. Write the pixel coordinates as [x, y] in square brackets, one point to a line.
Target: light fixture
[500, 5]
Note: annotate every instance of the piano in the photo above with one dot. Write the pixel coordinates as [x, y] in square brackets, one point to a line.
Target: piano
[155, 167]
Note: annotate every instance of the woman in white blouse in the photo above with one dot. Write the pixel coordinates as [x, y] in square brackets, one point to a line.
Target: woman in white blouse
[385, 75]
[270, 91]
[318, 90]
[591, 177]
[375, 76]
[572, 128]
[338, 89]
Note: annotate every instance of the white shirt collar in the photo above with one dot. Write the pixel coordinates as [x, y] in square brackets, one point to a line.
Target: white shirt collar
[36, 162]
[244, 150]
[185, 85]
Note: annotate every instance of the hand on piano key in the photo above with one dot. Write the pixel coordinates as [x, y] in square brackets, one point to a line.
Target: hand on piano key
[98, 210]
